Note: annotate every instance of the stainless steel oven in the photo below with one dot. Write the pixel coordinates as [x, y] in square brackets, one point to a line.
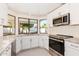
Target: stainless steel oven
[56, 43]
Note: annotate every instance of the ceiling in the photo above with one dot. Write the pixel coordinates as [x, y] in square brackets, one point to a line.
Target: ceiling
[35, 9]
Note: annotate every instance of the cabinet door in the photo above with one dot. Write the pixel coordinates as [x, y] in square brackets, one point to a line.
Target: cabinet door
[71, 49]
[40, 42]
[43, 42]
[74, 13]
[46, 43]
[18, 44]
[25, 42]
[34, 41]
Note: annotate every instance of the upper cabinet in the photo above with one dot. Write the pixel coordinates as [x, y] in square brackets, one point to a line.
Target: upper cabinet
[62, 10]
[3, 13]
[74, 13]
[71, 8]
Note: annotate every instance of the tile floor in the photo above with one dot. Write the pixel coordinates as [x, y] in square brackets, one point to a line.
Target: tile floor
[34, 52]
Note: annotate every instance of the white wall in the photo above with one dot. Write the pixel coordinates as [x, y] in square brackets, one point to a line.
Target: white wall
[3, 16]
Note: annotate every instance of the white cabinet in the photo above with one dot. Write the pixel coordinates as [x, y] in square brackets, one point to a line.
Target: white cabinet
[28, 42]
[71, 49]
[74, 13]
[43, 42]
[25, 42]
[40, 42]
[22, 42]
[34, 41]
[64, 9]
[18, 44]
[71, 8]
[3, 14]
[6, 52]
[46, 43]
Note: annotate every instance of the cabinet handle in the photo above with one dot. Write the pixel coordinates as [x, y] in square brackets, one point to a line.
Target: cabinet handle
[74, 46]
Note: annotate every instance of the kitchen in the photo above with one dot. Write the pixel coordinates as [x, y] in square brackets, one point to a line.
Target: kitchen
[55, 33]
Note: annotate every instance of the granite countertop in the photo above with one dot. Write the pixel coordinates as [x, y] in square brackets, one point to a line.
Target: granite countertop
[73, 40]
[5, 42]
[33, 35]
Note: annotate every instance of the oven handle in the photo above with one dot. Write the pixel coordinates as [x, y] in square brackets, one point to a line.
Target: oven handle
[56, 40]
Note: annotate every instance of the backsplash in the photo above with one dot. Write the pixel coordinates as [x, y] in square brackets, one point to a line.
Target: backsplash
[67, 30]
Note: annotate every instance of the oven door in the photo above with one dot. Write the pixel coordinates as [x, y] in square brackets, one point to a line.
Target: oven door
[57, 46]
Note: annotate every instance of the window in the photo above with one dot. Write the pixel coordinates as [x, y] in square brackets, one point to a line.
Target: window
[23, 25]
[9, 29]
[34, 25]
[28, 25]
[43, 26]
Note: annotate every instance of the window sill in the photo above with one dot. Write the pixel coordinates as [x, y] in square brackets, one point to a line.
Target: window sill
[8, 34]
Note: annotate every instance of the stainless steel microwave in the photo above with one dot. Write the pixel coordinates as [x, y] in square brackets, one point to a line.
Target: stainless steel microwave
[63, 20]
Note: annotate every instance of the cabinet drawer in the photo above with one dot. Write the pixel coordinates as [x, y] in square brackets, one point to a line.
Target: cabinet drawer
[72, 45]
[71, 52]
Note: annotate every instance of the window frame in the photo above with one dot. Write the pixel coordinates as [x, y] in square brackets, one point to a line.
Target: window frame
[28, 22]
[40, 26]
[37, 25]
[19, 24]
[14, 26]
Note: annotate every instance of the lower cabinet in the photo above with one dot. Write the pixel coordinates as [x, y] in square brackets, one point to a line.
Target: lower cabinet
[25, 43]
[28, 42]
[18, 44]
[34, 41]
[71, 49]
[6, 52]
[43, 42]
[46, 43]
